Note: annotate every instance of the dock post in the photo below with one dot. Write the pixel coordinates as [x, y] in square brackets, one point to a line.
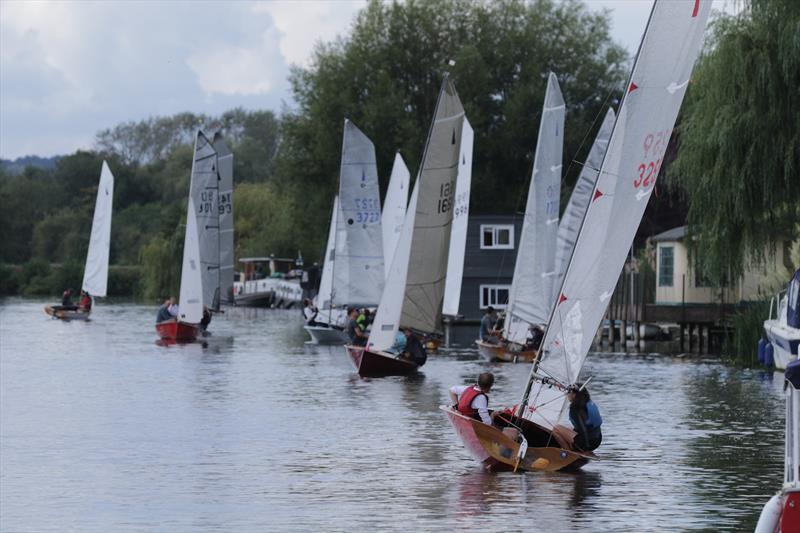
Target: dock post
[681, 335]
[691, 330]
[623, 335]
[636, 338]
[446, 333]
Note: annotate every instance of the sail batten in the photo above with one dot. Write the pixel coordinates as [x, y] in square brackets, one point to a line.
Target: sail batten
[625, 182]
[530, 299]
[95, 273]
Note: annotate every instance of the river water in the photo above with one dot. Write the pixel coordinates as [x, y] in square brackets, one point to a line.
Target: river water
[103, 430]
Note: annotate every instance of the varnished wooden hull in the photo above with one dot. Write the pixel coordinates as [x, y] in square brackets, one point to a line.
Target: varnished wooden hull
[498, 452]
[172, 330]
[64, 314]
[499, 353]
[376, 364]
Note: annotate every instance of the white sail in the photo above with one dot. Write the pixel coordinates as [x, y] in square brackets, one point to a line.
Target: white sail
[204, 190]
[324, 296]
[358, 274]
[387, 318]
[190, 304]
[420, 263]
[627, 176]
[458, 233]
[95, 273]
[394, 209]
[579, 200]
[225, 208]
[530, 298]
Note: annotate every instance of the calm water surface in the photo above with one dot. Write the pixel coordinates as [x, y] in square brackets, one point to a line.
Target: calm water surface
[103, 430]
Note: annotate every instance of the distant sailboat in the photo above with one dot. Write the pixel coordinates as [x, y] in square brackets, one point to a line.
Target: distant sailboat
[95, 273]
[355, 262]
[458, 232]
[626, 180]
[530, 298]
[415, 286]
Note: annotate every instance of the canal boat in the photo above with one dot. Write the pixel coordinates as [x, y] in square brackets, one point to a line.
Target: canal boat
[269, 282]
[781, 514]
[783, 326]
[619, 197]
[412, 298]
[95, 271]
[353, 274]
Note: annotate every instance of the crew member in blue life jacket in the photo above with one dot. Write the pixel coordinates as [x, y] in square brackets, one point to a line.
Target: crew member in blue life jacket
[473, 400]
[585, 418]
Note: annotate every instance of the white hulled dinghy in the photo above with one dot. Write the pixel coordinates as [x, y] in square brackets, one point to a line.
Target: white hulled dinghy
[95, 272]
[626, 180]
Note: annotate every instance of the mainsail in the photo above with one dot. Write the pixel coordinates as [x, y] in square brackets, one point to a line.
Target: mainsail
[358, 274]
[95, 273]
[394, 209]
[579, 200]
[325, 294]
[530, 299]
[458, 233]
[627, 177]
[415, 286]
[190, 304]
[225, 208]
[204, 191]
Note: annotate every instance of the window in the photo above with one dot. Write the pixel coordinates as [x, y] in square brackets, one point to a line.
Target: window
[494, 295]
[497, 237]
[666, 265]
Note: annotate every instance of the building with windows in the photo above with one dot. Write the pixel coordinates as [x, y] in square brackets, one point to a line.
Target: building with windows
[678, 283]
[491, 252]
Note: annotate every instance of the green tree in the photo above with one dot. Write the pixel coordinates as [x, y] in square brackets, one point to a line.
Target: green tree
[739, 139]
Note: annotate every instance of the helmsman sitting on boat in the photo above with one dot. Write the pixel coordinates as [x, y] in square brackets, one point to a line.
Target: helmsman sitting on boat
[585, 418]
[167, 311]
[354, 332]
[85, 305]
[413, 350]
[473, 400]
[487, 331]
[310, 312]
[66, 301]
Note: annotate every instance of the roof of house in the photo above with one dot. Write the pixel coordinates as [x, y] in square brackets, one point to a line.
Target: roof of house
[674, 234]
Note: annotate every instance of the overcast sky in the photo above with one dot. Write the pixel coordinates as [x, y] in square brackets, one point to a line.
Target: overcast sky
[71, 68]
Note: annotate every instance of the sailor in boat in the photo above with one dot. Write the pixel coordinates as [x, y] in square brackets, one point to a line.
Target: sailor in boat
[354, 332]
[473, 400]
[206, 319]
[364, 319]
[85, 305]
[66, 301]
[487, 331]
[535, 336]
[167, 311]
[309, 312]
[413, 350]
[585, 418]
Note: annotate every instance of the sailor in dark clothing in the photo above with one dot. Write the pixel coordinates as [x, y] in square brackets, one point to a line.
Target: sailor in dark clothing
[206, 320]
[535, 334]
[354, 332]
[414, 350]
[66, 301]
[164, 313]
[585, 418]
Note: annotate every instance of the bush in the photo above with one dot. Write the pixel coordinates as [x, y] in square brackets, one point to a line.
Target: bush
[746, 328]
[9, 280]
[124, 281]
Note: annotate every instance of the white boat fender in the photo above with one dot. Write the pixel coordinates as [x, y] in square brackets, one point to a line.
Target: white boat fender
[770, 515]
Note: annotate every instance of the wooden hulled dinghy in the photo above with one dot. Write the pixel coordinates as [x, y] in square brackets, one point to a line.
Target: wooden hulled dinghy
[498, 451]
[502, 354]
[377, 364]
[173, 330]
[57, 311]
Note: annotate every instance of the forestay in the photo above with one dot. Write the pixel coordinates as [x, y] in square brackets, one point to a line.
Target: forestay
[190, 304]
[627, 176]
[530, 298]
[95, 273]
[458, 232]
[358, 274]
[204, 190]
[415, 287]
[579, 200]
[394, 209]
[225, 207]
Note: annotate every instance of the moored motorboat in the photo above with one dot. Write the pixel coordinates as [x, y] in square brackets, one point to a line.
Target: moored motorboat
[376, 364]
[783, 329]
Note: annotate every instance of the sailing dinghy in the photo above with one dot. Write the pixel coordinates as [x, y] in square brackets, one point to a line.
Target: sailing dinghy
[412, 298]
[534, 438]
[353, 272]
[95, 272]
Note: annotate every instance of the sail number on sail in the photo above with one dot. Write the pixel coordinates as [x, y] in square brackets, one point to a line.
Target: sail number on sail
[462, 204]
[446, 197]
[225, 204]
[368, 210]
[206, 202]
[655, 144]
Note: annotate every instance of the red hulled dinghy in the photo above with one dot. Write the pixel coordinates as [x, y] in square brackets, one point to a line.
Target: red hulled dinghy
[376, 364]
[173, 330]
